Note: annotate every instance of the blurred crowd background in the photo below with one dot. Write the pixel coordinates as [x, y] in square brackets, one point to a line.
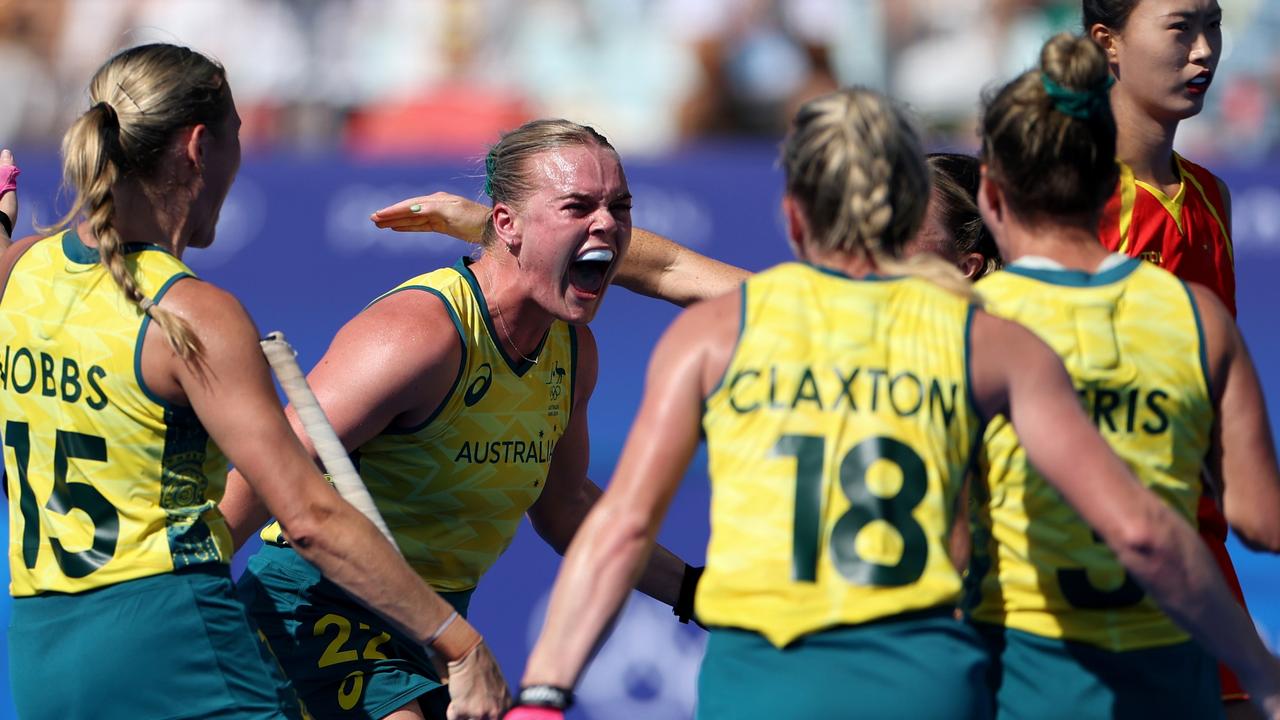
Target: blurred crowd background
[349, 105]
[442, 77]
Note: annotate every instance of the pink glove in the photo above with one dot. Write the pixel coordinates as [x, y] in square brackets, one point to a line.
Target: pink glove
[8, 183]
[8, 178]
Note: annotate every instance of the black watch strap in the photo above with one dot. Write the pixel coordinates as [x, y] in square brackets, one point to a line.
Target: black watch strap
[683, 609]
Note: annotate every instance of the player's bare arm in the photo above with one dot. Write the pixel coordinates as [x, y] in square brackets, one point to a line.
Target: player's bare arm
[608, 553]
[322, 527]
[662, 268]
[569, 494]
[440, 212]
[389, 366]
[1243, 455]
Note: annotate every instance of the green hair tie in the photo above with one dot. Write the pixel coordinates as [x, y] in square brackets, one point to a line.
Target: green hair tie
[490, 163]
[1079, 104]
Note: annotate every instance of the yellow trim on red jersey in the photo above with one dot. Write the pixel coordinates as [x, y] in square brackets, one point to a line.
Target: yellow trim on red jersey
[1187, 176]
[1127, 198]
[1172, 205]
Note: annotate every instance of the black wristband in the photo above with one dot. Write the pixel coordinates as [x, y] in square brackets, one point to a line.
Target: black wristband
[547, 696]
[7, 222]
[683, 609]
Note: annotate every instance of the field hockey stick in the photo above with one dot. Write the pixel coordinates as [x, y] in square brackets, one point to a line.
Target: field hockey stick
[337, 463]
[333, 456]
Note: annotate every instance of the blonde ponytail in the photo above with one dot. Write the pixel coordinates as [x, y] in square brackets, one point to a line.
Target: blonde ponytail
[928, 267]
[141, 97]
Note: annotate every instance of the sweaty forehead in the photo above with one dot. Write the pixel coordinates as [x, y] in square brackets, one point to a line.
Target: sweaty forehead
[572, 169]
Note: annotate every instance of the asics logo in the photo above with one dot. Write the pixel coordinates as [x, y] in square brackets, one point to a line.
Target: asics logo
[479, 386]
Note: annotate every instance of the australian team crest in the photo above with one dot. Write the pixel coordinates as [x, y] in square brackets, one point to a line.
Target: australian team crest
[555, 388]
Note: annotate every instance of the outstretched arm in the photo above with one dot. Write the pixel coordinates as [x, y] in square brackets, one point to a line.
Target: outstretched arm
[662, 268]
[439, 212]
[653, 265]
[1015, 373]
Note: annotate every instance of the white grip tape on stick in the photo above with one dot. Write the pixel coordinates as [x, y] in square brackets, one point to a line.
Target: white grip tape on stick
[283, 360]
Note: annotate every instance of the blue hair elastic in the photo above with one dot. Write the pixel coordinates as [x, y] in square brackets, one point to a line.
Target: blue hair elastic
[1079, 104]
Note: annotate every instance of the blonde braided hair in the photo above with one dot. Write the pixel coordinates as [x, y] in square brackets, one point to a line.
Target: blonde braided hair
[855, 164]
[141, 97]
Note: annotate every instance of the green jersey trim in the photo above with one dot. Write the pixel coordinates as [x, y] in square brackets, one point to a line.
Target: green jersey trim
[742, 328]
[1077, 278]
[142, 335]
[76, 251]
[462, 365]
[1204, 349]
[968, 363]
[733, 355]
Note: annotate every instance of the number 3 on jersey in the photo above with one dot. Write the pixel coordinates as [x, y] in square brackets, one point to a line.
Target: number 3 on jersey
[865, 508]
[63, 498]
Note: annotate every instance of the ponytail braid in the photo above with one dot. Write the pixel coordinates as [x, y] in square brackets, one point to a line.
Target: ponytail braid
[141, 98]
[855, 164]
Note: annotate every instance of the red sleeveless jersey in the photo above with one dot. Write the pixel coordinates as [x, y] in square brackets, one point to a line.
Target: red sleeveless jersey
[1186, 234]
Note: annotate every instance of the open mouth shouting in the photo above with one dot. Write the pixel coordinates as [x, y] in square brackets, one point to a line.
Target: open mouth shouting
[589, 272]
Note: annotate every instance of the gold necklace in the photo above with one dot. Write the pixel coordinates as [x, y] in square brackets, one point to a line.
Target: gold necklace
[498, 311]
[505, 330]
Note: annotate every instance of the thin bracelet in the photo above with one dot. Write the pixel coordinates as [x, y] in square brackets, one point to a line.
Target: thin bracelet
[443, 626]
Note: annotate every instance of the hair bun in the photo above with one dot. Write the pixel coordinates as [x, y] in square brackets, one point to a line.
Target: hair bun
[1074, 62]
[1049, 137]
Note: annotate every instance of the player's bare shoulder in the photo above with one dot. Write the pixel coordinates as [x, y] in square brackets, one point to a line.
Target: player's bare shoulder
[198, 300]
[391, 363]
[412, 328]
[707, 333]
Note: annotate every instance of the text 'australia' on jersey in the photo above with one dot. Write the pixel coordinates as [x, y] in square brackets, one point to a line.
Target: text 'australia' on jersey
[454, 489]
